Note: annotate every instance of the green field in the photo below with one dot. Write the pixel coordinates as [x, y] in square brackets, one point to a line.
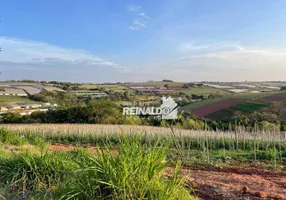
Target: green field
[198, 104]
[249, 106]
[10, 100]
[222, 115]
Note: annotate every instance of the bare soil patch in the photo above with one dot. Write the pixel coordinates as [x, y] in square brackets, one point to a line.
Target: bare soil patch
[211, 108]
[232, 183]
[67, 147]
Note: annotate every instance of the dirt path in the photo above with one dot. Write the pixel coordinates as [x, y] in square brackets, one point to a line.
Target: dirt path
[231, 183]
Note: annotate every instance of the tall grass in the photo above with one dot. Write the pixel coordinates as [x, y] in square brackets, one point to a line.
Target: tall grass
[27, 172]
[136, 172]
[131, 170]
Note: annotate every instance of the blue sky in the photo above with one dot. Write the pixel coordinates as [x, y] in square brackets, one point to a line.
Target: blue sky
[123, 40]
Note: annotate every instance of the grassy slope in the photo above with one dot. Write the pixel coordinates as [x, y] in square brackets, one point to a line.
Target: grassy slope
[10, 100]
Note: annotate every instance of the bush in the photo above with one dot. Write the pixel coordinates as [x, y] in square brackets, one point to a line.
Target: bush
[8, 137]
[30, 173]
[134, 172]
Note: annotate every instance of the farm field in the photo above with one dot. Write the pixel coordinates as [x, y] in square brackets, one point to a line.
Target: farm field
[221, 115]
[263, 98]
[249, 107]
[212, 108]
[62, 160]
[10, 100]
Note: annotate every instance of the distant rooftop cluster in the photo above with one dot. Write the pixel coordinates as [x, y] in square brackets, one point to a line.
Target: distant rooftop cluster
[24, 89]
[150, 88]
[24, 108]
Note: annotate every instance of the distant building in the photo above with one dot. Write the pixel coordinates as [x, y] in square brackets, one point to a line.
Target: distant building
[3, 109]
[49, 88]
[35, 106]
[32, 91]
[86, 94]
[14, 107]
[15, 92]
[46, 104]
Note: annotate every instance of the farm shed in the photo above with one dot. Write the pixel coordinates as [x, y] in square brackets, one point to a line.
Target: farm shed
[32, 91]
[15, 92]
[49, 88]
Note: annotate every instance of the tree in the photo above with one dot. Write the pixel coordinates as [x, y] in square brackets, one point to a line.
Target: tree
[241, 119]
[185, 86]
[12, 118]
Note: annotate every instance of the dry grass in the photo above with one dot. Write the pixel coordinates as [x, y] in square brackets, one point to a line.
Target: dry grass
[100, 130]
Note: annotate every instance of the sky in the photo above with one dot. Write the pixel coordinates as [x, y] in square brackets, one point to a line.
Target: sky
[140, 40]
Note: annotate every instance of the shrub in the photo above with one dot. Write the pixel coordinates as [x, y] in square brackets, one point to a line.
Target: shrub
[133, 172]
[28, 172]
[8, 137]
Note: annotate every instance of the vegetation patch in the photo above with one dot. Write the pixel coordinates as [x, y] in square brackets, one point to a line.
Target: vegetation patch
[222, 115]
[249, 107]
[129, 170]
[11, 100]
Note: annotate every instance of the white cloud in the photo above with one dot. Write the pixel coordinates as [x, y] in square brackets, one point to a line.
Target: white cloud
[133, 8]
[223, 61]
[133, 28]
[238, 63]
[144, 15]
[139, 23]
[192, 45]
[22, 51]
[21, 59]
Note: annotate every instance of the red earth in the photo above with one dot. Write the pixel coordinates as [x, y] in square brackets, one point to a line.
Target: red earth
[214, 107]
[232, 183]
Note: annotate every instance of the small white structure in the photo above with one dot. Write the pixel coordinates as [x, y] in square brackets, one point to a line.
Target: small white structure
[35, 106]
[238, 90]
[3, 109]
[47, 104]
[14, 107]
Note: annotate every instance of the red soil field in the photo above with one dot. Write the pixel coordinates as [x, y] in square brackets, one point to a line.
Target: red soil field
[234, 183]
[211, 108]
